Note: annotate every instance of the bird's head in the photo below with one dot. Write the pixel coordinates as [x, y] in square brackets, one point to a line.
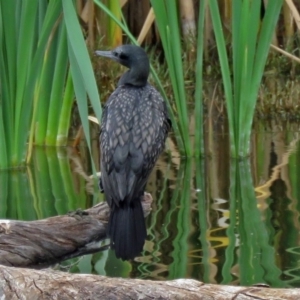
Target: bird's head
[132, 57]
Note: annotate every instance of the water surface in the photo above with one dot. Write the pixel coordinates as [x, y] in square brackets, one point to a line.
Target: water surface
[215, 219]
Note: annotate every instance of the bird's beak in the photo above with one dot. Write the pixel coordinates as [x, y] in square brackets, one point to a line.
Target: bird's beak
[104, 53]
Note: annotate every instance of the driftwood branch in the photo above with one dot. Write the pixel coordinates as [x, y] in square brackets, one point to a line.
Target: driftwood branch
[44, 242]
[16, 283]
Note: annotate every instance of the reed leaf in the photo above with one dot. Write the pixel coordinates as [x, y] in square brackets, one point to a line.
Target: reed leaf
[43, 92]
[264, 39]
[51, 21]
[167, 20]
[33, 63]
[25, 44]
[8, 80]
[64, 119]
[250, 46]
[199, 146]
[59, 84]
[114, 31]
[226, 73]
[23, 48]
[81, 69]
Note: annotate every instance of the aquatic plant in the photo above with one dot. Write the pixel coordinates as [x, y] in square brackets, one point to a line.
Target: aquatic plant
[39, 41]
[251, 30]
[250, 44]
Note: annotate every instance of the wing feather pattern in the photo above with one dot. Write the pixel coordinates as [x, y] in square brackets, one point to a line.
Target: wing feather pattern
[133, 134]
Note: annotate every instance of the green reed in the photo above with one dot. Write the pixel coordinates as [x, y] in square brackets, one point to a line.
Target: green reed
[168, 23]
[251, 38]
[38, 40]
[199, 145]
[58, 91]
[167, 20]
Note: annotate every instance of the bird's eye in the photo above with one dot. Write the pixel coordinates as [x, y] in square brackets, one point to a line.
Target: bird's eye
[123, 55]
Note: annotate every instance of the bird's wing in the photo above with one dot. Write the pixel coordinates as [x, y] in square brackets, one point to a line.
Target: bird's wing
[134, 129]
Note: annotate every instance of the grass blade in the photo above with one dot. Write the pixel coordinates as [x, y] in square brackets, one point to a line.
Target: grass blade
[65, 116]
[199, 146]
[56, 98]
[80, 56]
[226, 74]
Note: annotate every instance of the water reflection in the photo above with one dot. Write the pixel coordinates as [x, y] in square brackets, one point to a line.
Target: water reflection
[215, 219]
[55, 183]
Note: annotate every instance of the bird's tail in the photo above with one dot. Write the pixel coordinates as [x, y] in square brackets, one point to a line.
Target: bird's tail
[127, 230]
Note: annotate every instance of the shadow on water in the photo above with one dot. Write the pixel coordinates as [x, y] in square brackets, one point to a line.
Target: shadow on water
[215, 219]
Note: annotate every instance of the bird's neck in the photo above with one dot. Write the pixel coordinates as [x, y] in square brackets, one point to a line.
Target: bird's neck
[136, 76]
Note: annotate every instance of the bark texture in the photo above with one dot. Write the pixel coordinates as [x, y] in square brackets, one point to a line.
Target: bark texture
[17, 283]
[45, 242]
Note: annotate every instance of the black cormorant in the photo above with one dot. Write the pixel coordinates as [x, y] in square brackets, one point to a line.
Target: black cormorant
[134, 128]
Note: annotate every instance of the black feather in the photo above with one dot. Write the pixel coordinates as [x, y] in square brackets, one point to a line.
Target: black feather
[134, 128]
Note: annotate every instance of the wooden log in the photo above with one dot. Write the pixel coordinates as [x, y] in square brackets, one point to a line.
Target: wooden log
[44, 242]
[19, 283]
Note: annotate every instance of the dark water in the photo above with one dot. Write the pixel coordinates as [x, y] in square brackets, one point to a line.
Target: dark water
[215, 219]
